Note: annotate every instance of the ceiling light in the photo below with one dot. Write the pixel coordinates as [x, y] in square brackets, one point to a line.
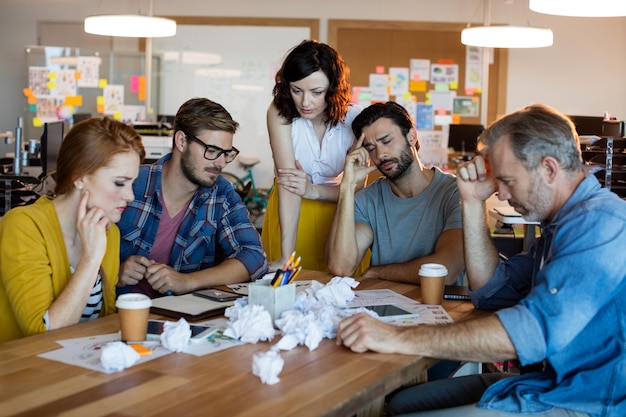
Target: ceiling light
[130, 25]
[507, 37]
[580, 8]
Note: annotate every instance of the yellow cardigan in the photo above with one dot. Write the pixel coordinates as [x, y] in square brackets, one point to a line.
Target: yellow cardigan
[34, 268]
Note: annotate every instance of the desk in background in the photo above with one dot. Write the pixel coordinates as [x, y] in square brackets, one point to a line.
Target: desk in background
[329, 381]
[530, 228]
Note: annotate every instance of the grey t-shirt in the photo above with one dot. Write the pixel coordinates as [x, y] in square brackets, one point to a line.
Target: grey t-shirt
[408, 228]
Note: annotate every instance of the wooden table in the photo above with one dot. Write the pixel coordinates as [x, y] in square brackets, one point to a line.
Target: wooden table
[329, 381]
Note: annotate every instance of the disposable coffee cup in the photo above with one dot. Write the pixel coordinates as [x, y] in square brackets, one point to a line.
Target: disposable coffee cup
[432, 281]
[133, 310]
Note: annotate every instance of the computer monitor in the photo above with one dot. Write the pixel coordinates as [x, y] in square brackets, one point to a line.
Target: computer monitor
[50, 145]
[588, 125]
[463, 137]
[79, 117]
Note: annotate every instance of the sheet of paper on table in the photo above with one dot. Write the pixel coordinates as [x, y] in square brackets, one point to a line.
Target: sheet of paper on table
[423, 313]
[85, 351]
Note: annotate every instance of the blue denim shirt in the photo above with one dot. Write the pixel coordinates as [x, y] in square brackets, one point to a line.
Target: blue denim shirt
[216, 226]
[564, 302]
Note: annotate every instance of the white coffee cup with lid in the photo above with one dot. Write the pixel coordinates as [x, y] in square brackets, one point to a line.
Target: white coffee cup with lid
[134, 310]
[432, 280]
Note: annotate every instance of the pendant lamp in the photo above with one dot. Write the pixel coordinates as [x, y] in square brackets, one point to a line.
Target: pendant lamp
[505, 36]
[580, 8]
[130, 25]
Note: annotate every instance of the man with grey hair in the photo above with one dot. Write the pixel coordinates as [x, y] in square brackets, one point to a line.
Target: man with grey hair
[561, 304]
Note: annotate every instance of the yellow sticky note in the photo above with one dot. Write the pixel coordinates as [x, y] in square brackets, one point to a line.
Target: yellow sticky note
[37, 122]
[74, 100]
[454, 85]
[117, 115]
[417, 86]
[102, 82]
[52, 75]
[52, 85]
[100, 100]
[407, 96]
[427, 102]
[478, 90]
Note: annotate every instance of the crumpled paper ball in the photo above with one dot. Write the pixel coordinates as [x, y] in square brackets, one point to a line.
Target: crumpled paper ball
[338, 292]
[267, 366]
[116, 356]
[250, 323]
[176, 335]
[303, 327]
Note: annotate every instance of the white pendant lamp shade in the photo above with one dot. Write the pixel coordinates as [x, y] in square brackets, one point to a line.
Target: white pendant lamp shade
[135, 26]
[580, 8]
[507, 36]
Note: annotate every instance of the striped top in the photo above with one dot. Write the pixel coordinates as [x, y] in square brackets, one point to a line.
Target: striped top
[94, 302]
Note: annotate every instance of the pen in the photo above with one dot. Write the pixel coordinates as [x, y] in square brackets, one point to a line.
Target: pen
[294, 275]
[286, 275]
[276, 281]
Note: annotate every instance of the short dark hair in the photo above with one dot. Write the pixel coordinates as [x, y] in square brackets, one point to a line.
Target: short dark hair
[199, 114]
[303, 60]
[90, 145]
[535, 132]
[390, 110]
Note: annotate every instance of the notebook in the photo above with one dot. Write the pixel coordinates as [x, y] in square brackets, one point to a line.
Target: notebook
[189, 307]
[455, 292]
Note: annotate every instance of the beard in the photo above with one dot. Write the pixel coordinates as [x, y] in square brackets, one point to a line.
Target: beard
[190, 171]
[403, 163]
[537, 206]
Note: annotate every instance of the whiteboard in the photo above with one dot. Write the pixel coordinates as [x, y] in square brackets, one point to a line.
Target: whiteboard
[234, 66]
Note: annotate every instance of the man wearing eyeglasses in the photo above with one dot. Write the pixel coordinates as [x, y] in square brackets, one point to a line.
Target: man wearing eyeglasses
[187, 227]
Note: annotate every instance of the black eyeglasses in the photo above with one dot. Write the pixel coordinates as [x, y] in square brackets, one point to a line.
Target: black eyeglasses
[213, 152]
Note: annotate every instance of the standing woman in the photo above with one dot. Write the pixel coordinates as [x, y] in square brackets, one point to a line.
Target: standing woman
[59, 257]
[309, 124]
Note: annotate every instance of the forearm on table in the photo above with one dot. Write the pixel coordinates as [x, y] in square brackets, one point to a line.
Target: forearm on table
[480, 340]
[231, 271]
[448, 252]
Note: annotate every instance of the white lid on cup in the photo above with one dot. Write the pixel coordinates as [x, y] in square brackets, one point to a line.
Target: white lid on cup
[433, 270]
[133, 301]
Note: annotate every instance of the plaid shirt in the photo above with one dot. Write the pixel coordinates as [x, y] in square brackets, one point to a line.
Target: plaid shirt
[216, 226]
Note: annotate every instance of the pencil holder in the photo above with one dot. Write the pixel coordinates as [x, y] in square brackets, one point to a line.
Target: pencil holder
[274, 299]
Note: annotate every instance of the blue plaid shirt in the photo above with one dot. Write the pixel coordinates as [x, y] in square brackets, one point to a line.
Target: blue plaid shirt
[215, 227]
